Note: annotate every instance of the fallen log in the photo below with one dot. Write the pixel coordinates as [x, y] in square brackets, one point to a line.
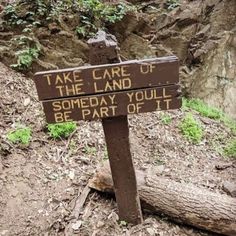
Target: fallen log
[184, 203]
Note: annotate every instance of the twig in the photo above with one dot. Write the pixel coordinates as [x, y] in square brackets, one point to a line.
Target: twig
[77, 210]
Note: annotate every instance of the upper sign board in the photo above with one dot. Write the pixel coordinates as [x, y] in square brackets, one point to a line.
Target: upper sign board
[99, 79]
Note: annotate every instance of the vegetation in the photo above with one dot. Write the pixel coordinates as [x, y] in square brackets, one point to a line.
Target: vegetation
[166, 119]
[201, 107]
[90, 150]
[20, 135]
[191, 129]
[207, 111]
[230, 149]
[25, 57]
[61, 130]
[29, 15]
[123, 223]
[94, 14]
[172, 4]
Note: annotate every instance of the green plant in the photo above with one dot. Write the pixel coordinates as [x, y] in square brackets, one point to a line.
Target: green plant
[21, 135]
[25, 57]
[191, 129]
[172, 4]
[123, 223]
[166, 119]
[208, 111]
[61, 130]
[203, 109]
[230, 149]
[90, 150]
[230, 123]
[96, 14]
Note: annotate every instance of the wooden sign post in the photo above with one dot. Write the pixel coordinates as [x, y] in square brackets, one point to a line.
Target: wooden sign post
[110, 90]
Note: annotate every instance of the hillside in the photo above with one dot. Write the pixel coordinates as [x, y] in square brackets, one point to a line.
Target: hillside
[42, 177]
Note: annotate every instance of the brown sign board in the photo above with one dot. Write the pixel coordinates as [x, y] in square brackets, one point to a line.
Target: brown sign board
[114, 104]
[107, 78]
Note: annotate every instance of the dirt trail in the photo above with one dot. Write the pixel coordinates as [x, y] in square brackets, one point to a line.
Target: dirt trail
[39, 184]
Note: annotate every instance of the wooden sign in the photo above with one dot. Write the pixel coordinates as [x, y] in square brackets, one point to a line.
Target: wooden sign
[105, 105]
[96, 92]
[99, 79]
[110, 92]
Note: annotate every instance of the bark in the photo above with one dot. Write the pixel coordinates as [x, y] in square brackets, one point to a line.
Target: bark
[184, 203]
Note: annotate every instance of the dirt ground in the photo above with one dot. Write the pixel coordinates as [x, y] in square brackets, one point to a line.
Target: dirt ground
[40, 183]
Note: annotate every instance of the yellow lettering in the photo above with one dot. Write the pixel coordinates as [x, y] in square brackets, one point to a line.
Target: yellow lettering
[117, 84]
[131, 108]
[115, 71]
[167, 101]
[94, 102]
[158, 108]
[95, 76]
[75, 103]
[104, 111]
[139, 106]
[152, 66]
[59, 117]
[66, 105]
[78, 88]
[59, 80]
[76, 76]
[124, 71]
[139, 96]
[113, 109]
[130, 95]
[96, 89]
[85, 113]
[70, 90]
[164, 93]
[107, 75]
[126, 83]
[112, 97]
[144, 69]
[56, 106]
[108, 87]
[60, 89]
[67, 116]
[103, 102]
[84, 102]
[48, 78]
[95, 114]
[67, 78]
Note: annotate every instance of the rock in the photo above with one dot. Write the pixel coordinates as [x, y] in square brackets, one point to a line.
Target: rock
[76, 225]
[151, 231]
[223, 166]
[230, 188]
[100, 224]
[135, 47]
[26, 102]
[214, 81]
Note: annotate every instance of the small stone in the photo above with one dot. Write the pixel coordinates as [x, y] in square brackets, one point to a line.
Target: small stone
[230, 188]
[151, 232]
[71, 174]
[26, 102]
[222, 166]
[76, 225]
[100, 224]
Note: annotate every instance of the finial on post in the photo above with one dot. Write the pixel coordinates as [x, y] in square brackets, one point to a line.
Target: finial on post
[103, 49]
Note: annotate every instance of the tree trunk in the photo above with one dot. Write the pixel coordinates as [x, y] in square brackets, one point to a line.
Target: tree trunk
[183, 203]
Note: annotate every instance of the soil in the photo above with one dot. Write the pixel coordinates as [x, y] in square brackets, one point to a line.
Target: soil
[40, 183]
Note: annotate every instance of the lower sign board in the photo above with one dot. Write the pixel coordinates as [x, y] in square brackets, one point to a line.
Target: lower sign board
[101, 106]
